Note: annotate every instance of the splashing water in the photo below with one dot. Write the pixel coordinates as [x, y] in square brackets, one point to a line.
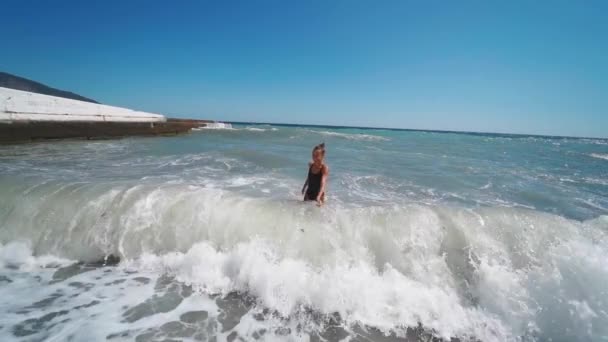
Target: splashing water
[477, 237]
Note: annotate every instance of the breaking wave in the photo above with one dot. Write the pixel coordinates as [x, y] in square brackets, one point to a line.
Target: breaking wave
[488, 273]
[354, 136]
[599, 156]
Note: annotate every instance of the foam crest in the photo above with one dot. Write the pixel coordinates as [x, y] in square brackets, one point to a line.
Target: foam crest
[18, 255]
[259, 129]
[485, 273]
[599, 156]
[358, 292]
[354, 136]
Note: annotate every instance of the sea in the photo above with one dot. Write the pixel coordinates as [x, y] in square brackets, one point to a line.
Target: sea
[425, 236]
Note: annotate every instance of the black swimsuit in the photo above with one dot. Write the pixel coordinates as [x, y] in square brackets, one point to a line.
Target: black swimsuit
[314, 184]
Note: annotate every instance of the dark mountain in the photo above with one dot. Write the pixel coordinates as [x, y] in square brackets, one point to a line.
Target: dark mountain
[20, 83]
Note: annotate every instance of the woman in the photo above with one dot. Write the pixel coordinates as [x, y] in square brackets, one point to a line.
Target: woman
[318, 171]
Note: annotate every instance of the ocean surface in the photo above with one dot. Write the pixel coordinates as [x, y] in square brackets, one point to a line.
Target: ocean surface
[475, 237]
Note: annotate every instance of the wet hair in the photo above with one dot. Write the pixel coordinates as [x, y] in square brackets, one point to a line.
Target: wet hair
[320, 147]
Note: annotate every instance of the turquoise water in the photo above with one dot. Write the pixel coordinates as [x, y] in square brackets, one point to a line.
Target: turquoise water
[491, 237]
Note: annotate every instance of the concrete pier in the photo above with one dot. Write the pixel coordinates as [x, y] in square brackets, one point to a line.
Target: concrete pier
[26, 116]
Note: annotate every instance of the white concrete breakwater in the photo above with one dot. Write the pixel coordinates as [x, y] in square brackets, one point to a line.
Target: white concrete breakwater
[17, 105]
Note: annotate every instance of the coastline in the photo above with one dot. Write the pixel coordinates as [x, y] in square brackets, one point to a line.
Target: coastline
[26, 116]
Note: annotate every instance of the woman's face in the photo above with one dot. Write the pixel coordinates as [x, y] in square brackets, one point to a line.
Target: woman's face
[317, 156]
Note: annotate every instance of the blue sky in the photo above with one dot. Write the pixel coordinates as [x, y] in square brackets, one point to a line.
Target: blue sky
[499, 66]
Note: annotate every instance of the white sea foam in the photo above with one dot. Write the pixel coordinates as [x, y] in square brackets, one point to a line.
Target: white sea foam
[595, 181]
[18, 255]
[354, 136]
[594, 141]
[487, 186]
[599, 155]
[482, 273]
[229, 127]
[259, 129]
[215, 126]
[52, 301]
[592, 204]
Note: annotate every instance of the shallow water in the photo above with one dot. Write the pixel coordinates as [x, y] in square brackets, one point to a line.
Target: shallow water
[469, 236]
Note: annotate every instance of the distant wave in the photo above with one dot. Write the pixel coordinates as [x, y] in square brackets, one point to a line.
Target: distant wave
[360, 137]
[590, 180]
[595, 141]
[257, 129]
[214, 125]
[230, 128]
[215, 129]
[599, 155]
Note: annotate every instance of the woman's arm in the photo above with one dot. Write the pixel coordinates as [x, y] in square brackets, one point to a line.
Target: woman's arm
[325, 175]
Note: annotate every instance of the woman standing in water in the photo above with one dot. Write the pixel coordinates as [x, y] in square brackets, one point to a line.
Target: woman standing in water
[318, 172]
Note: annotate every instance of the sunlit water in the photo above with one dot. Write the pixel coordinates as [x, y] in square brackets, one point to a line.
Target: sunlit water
[467, 236]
